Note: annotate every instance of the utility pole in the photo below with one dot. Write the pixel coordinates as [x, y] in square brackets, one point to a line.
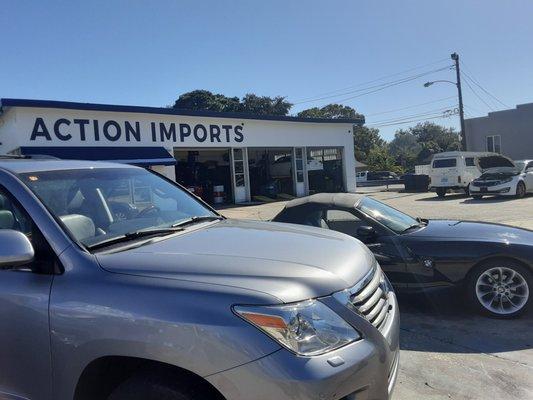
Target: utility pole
[455, 57]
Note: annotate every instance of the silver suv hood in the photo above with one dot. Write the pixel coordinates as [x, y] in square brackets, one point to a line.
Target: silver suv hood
[290, 262]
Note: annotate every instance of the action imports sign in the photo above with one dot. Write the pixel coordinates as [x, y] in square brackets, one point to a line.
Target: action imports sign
[111, 131]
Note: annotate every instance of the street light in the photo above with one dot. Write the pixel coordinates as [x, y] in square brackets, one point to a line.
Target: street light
[428, 84]
[455, 58]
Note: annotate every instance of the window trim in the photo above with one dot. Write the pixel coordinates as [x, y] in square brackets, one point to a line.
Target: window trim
[493, 137]
[58, 268]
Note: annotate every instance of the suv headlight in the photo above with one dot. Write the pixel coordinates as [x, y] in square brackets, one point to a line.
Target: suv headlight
[308, 328]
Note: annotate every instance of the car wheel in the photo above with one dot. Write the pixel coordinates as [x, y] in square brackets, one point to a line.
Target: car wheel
[441, 192]
[500, 288]
[477, 196]
[520, 190]
[152, 386]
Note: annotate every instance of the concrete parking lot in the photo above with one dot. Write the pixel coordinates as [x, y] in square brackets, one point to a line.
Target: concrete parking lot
[448, 352]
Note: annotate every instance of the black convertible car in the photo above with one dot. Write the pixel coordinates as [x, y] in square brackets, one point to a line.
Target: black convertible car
[494, 263]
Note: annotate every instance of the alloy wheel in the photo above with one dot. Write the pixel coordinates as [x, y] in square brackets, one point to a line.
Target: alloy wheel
[502, 290]
[520, 190]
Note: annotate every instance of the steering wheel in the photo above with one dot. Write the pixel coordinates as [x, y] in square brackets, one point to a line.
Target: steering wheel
[148, 210]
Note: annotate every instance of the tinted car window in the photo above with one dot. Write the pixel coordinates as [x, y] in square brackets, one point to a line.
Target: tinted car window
[445, 163]
[13, 217]
[388, 216]
[469, 161]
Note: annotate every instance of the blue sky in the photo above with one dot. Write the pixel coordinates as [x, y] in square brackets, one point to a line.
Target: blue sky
[148, 52]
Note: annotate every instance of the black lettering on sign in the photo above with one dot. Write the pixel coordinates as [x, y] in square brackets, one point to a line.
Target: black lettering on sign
[109, 134]
[214, 133]
[96, 130]
[185, 131]
[81, 123]
[203, 134]
[131, 131]
[239, 137]
[227, 129]
[40, 129]
[168, 134]
[152, 128]
[57, 131]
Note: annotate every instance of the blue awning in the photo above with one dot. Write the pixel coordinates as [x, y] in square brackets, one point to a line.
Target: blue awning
[142, 156]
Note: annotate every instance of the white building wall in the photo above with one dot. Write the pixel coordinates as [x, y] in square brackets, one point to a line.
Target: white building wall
[8, 131]
[36, 127]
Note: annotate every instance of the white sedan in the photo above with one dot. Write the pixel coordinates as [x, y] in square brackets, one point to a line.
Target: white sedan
[504, 181]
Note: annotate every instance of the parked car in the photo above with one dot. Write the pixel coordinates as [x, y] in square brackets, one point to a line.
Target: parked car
[361, 176]
[170, 300]
[516, 179]
[454, 170]
[282, 167]
[365, 176]
[492, 263]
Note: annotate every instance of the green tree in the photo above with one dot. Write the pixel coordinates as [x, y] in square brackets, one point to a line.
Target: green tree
[264, 105]
[252, 104]
[331, 111]
[435, 138]
[380, 159]
[365, 139]
[405, 148]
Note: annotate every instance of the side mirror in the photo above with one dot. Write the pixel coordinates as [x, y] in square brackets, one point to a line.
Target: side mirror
[15, 249]
[366, 232]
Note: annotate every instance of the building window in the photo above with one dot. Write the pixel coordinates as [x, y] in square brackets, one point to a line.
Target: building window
[299, 164]
[494, 144]
[238, 167]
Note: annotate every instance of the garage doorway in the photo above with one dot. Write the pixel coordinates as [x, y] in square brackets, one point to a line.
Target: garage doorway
[325, 170]
[271, 173]
[206, 173]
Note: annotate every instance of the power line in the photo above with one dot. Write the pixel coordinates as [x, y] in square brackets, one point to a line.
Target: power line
[373, 80]
[409, 79]
[438, 116]
[481, 87]
[478, 96]
[428, 112]
[376, 88]
[413, 106]
[473, 109]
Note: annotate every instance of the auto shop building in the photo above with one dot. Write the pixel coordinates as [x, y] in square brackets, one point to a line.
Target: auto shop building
[222, 157]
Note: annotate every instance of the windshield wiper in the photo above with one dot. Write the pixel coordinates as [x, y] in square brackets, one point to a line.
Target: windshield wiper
[134, 235]
[419, 225]
[195, 219]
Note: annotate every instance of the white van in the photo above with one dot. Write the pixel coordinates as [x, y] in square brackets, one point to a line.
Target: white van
[455, 170]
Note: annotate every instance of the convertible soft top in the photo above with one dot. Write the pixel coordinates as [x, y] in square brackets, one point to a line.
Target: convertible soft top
[345, 200]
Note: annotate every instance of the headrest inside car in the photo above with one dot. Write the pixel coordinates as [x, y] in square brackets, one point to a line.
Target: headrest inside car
[82, 227]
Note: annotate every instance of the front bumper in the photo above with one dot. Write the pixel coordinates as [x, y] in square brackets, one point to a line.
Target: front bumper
[505, 189]
[365, 369]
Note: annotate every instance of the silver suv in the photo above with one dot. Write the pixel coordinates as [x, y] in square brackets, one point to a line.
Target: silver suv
[116, 283]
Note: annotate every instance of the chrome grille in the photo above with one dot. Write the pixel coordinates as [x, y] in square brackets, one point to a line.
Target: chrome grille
[371, 300]
[485, 183]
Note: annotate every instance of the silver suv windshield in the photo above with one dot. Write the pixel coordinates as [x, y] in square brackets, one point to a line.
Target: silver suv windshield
[98, 206]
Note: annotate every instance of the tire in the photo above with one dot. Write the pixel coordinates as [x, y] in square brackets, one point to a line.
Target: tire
[157, 386]
[490, 288]
[520, 190]
[441, 192]
[477, 196]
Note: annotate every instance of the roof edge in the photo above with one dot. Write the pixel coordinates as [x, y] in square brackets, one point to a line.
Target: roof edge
[10, 102]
